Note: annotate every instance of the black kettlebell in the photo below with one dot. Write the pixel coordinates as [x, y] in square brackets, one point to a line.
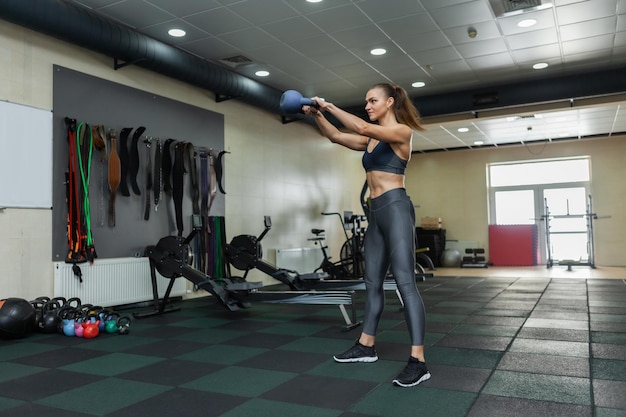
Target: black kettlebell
[49, 319]
[123, 325]
[38, 304]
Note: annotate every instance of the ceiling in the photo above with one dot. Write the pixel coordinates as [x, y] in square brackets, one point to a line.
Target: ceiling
[324, 48]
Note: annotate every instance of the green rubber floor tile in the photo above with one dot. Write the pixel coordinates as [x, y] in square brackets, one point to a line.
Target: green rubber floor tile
[446, 318]
[608, 369]
[265, 408]
[19, 350]
[562, 389]
[222, 354]
[9, 371]
[111, 364]
[237, 380]
[609, 412]
[609, 337]
[381, 370]
[390, 401]
[472, 358]
[485, 330]
[104, 396]
[610, 318]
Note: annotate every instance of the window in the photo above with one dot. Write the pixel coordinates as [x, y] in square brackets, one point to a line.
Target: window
[529, 192]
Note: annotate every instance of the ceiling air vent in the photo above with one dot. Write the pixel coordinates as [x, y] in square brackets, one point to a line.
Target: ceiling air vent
[503, 8]
[236, 61]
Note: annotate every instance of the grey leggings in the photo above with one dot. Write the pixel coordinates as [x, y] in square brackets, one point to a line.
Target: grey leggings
[390, 242]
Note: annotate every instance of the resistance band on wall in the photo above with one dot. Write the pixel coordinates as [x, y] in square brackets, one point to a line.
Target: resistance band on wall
[215, 247]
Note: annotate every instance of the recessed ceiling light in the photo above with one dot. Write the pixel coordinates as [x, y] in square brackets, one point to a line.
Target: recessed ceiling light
[540, 65]
[462, 130]
[262, 73]
[418, 84]
[177, 33]
[313, 1]
[526, 23]
[378, 51]
[478, 142]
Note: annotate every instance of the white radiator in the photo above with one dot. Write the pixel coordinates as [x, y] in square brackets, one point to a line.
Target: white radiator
[301, 260]
[112, 282]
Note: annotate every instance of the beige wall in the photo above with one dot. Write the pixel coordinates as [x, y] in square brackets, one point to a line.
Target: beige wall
[286, 171]
[452, 185]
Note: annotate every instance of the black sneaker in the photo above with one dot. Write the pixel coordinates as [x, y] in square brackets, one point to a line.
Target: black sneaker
[358, 353]
[414, 372]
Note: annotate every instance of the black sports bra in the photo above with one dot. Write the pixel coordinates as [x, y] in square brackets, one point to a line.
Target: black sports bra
[383, 158]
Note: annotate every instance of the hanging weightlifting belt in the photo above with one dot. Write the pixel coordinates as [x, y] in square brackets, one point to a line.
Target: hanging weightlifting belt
[114, 175]
[192, 170]
[219, 170]
[124, 157]
[133, 163]
[74, 240]
[148, 183]
[178, 170]
[166, 165]
[157, 174]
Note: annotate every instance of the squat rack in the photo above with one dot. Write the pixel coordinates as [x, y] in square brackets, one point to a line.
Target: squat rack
[590, 217]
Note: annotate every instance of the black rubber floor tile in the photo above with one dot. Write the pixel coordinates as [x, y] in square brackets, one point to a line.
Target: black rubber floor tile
[182, 402]
[35, 410]
[171, 372]
[608, 351]
[58, 358]
[456, 378]
[490, 405]
[44, 384]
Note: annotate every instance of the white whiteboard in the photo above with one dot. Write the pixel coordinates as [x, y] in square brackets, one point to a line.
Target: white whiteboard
[25, 156]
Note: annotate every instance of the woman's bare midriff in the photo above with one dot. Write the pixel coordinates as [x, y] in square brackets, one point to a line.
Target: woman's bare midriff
[379, 182]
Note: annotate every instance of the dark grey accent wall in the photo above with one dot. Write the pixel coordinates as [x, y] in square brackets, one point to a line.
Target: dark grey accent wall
[100, 102]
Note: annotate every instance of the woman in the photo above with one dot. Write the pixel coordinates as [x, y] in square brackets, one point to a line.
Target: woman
[390, 237]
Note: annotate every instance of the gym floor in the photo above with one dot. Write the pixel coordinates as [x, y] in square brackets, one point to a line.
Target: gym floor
[499, 343]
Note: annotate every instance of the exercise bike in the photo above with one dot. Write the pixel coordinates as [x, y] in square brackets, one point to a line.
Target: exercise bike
[351, 262]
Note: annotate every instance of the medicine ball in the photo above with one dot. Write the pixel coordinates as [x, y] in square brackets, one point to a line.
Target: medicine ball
[17, 317]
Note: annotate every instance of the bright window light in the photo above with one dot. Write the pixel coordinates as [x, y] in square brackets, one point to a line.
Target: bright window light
[540, 172]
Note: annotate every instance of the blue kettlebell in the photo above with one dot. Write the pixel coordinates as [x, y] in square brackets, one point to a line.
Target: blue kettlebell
[291, 102]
